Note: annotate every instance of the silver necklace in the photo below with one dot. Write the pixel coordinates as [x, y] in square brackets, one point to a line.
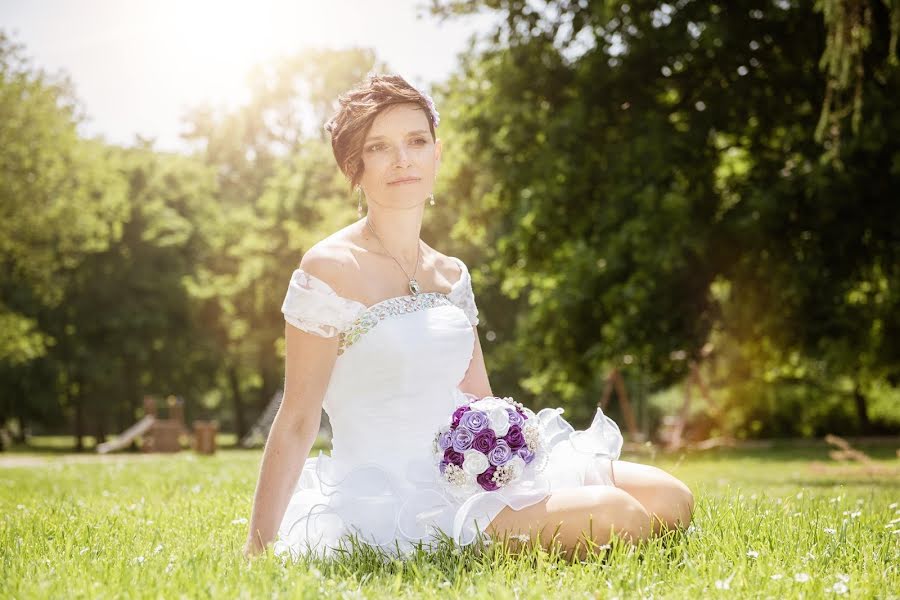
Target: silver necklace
[413, 284]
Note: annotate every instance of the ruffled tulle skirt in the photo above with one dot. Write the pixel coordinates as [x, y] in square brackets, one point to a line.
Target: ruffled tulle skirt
[400, 509]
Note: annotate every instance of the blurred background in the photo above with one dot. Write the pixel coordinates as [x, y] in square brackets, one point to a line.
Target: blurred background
[687, 212]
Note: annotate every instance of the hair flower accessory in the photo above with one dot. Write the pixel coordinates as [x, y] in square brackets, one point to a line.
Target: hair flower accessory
[435, 117]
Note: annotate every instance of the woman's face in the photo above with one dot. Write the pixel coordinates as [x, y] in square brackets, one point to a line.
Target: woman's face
[400, 160]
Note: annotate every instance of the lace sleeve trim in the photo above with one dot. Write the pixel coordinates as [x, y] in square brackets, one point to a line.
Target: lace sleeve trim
[462, 294]
[313, 306]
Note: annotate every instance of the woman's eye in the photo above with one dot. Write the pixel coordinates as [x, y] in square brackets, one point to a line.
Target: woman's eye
[374, 147]
[419, 142]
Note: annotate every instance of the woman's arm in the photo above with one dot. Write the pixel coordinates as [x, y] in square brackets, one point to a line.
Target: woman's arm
[309, 361]
[286, 450]
[476, 379]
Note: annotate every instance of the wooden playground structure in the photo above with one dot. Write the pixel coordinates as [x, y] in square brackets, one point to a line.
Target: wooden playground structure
[159, 434]
[672, 433]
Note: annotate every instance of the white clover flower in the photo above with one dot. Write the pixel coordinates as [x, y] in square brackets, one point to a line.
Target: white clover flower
[724, 584]
[752, 553]
[830, 530]
[892, 505]
[139, 560]
[801, 577]
[776, 576]
[840, 588]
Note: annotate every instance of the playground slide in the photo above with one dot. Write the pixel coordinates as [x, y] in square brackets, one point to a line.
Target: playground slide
[127, 436]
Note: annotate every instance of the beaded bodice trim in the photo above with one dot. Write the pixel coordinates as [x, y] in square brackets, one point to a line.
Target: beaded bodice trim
[392, 306]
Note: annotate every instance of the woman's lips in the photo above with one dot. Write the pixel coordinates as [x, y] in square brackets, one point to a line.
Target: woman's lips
[403, 182]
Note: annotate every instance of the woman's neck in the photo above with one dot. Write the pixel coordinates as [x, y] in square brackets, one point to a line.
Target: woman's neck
[398, 230]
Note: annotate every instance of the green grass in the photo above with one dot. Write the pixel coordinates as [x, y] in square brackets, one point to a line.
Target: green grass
[768, 524]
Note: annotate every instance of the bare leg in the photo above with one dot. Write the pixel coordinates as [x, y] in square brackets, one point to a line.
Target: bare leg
[576, 519]
[668, 501]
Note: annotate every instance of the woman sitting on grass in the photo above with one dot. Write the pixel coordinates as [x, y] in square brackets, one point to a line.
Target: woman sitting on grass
[381, 332]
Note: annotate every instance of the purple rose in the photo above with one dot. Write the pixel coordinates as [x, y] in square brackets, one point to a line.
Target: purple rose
[444, 441]
[458, 413]
[452, 456]
[500, 454]
[525, 454]
[515, 418]
[484, 441]
[443, 465]
[474, 421]
[461, 439]
[485, 481]
[514, 437]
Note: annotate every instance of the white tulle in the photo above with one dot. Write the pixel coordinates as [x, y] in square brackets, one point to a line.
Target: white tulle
[389, 393]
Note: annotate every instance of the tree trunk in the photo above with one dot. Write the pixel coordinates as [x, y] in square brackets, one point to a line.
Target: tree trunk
[100, 422]
[79, 422]
[21, 437]
[862, 410]
[239, 425]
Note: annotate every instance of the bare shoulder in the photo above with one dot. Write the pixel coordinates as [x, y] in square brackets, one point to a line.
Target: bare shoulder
[331, 261]
[445, 265]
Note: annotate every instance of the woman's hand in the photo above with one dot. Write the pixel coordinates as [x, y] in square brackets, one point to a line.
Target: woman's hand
[252, 548]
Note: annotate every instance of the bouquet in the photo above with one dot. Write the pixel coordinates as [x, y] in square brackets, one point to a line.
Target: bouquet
[488, 444]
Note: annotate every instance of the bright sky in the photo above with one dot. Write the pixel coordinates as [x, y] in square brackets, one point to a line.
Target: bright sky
[138, 64]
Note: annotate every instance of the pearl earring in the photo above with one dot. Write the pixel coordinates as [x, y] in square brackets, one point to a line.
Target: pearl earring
[431, 199]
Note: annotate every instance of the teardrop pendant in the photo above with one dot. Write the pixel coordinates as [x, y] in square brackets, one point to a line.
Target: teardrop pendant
[414, 286]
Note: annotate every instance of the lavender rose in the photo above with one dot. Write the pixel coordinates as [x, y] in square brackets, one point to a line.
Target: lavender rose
[485, 480]
[500, 454]
[452, 456]
[461, 439]
[474, 420]
[458, 413]
[445, 441]
[514, 437]
[484, 441]
[515, 418]
[526, 454]
[443, 465]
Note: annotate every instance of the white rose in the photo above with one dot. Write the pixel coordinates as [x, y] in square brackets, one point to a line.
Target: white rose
[499, 420]
[516, 465]
[487, 403]
[474, 462]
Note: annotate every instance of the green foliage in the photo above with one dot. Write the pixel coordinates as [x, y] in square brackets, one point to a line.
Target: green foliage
[643, 159]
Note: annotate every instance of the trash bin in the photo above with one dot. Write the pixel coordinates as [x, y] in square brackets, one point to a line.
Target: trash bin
[205, 436]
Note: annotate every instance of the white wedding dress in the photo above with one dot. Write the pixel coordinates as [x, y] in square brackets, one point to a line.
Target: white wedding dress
[394, 384]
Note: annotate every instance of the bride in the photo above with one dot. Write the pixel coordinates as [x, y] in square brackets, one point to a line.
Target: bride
[381, 332]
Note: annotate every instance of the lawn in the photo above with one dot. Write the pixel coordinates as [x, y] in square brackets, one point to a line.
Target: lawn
[776, 523]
